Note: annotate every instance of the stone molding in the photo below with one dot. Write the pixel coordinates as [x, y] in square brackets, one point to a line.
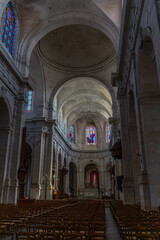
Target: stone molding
[84, 18]
[94, 68]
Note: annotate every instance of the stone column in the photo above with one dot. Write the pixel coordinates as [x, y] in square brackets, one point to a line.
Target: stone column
[80, 178]
[5, 133]
[56, 171]
[150, 118]
[102, 172]
[128, 184]
[108, 179]
[49, 163]
[144, 192]
[19, 121]
[135, 159]
[66, 185]
[118, 174]
[38, 161]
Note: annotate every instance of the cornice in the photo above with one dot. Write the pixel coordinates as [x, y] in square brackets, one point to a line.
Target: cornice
[106, 64]
[9, 61]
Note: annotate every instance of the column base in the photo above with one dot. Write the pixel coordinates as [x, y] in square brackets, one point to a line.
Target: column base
[144, 191]
[12, 195]
[49, 195]
[35, 191]
[6, 190]
[128, 191]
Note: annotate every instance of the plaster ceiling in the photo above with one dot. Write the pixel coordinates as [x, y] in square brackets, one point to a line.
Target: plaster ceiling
[76, 46]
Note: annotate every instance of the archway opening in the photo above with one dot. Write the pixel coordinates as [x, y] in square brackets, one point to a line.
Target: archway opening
[91, 176]
[73, 179]
[147, 68]
[27, 165]
[149, 120]
[4, 143]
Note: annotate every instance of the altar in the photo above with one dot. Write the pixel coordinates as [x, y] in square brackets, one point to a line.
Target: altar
[91, 193]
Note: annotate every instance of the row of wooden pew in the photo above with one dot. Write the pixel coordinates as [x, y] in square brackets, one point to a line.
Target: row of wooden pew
[136, 224]
[54, 220]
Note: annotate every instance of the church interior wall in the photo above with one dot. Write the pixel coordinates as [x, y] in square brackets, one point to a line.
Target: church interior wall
[142, 69]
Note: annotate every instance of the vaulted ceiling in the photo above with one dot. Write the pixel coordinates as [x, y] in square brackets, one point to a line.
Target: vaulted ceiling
[72, 48]
[84, 98]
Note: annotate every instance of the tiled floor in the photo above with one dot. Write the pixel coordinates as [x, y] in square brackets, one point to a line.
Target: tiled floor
[112, 232]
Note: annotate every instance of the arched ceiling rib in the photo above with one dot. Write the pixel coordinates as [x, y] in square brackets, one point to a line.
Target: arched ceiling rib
[83, 96]
[89, 102]
[86, 117]
[82, 93]
[47, 16]
[82, 85]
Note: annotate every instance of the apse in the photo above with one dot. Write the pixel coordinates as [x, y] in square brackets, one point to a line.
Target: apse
[82, 107]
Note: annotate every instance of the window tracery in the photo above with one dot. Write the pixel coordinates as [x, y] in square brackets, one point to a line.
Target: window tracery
[29, 106]
[72, 134]
[8, 32]
[108, 133]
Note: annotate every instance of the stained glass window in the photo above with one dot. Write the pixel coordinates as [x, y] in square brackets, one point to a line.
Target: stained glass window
[91, 135]
[72, 134]
[108, 133]
[8, 31]
[29, 106]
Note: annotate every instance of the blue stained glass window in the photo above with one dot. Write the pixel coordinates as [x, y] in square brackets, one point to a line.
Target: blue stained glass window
[8, 31]
[108, 133]
[29, 106]
[91, 135]
[72, 134]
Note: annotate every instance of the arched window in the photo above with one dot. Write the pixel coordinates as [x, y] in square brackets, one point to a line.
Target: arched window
[72, 134]
[8, 31]
[108, 133]
[91, 135]
[29, 106]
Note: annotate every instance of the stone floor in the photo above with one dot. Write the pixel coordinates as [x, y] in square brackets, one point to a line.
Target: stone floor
[112, 232]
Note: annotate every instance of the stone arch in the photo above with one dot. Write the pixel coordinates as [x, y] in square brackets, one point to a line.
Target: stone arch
[58, 86]
[149, 103]
[147, 36]
[5, 130]
[92, 180]
[36, 76]
[148, 75]
[105, 25]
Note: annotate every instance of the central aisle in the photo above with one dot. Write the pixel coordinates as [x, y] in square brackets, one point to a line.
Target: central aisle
[112, 232]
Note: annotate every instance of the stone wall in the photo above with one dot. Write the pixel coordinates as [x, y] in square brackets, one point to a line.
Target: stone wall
[139, 93]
